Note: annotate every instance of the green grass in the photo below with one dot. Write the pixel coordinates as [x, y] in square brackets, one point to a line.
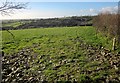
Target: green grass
[14, 24]
[59, 55]
[59, 36]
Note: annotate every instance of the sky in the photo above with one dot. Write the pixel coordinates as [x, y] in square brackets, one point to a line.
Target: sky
[62, 9]
[64, 0]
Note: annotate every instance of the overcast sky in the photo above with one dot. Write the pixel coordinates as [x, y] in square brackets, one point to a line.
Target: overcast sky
[61, 9]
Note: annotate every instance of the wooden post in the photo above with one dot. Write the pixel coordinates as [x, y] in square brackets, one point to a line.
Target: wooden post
[113, 46]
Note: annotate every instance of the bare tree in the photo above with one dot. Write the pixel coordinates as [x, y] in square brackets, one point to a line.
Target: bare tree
[8, 8]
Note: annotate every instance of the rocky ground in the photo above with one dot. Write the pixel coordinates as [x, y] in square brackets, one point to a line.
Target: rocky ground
[100, 65]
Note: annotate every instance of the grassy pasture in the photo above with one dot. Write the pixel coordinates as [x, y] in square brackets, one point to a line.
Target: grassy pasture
[27, 37]
[57, 54]
[14, 24]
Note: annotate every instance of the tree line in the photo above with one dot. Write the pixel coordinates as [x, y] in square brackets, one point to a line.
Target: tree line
[51, 22]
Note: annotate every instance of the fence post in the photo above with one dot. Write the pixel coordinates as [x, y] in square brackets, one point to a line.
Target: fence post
[113, 46]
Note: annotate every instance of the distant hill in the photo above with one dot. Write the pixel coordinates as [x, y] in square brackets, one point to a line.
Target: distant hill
[45, 23]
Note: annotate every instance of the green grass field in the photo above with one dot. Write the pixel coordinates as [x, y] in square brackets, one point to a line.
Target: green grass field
[14, 24]
[58, 54]
[58, 35]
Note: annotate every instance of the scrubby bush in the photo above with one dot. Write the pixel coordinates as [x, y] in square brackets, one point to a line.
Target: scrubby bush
[108, 25]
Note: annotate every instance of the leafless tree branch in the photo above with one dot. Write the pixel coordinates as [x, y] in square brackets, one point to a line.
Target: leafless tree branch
[8, 8]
